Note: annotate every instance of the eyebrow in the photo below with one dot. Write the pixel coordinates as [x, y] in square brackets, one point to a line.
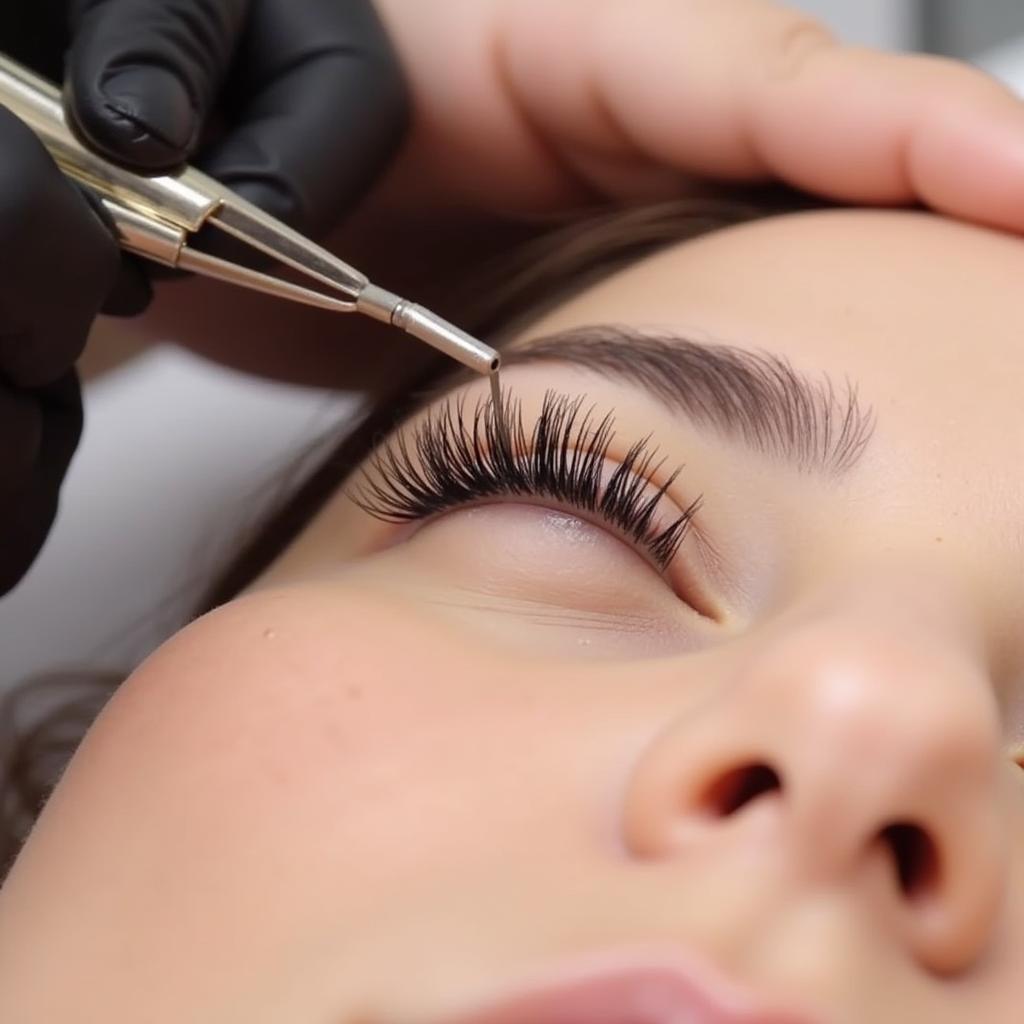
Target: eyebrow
[754, 397]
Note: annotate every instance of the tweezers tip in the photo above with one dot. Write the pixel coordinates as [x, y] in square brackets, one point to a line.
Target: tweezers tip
[429, 327]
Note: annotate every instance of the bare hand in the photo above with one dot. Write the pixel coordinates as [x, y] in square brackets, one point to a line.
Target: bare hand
[530, 105]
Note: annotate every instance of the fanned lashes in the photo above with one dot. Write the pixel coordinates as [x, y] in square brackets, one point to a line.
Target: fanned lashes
[453, 460]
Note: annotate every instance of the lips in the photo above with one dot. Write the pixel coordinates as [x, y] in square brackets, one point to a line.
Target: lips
[625, 995]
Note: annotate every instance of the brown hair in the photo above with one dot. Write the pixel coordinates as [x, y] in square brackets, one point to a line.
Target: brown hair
[43, 720]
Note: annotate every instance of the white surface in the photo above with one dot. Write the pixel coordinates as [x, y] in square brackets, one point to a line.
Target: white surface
[177, 457]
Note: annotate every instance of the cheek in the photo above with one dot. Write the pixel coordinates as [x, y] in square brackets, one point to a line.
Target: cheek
[312, 726]
[288, 777]
[321, 751]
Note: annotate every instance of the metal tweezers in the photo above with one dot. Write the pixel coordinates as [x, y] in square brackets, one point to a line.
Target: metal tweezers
[155, 218]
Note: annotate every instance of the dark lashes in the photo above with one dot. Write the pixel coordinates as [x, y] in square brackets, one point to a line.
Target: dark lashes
[453, 460]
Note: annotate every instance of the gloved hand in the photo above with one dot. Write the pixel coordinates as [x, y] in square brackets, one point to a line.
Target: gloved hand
[58, 264]
[297, 104]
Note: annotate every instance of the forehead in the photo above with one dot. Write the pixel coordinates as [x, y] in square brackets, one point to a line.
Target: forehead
[924, 316]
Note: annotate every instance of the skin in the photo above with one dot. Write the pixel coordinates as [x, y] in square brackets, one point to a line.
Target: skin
[414, 767]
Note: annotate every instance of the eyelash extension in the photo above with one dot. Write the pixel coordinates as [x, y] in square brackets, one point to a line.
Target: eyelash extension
[454, 460]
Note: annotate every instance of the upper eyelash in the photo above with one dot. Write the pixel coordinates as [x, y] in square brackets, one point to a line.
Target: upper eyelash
[454, 461]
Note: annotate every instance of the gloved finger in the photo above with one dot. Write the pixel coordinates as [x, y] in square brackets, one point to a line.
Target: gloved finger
[316, 106]
[21, 431]
[28, 500]
[37, 35]
[58, 261]
[131, 291]
[142, 75]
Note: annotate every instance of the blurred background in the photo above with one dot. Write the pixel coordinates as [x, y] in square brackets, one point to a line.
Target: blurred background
[959, 28]
[178, 455]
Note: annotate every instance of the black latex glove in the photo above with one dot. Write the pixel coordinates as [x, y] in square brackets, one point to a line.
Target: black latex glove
[58, 264]
[296, 104]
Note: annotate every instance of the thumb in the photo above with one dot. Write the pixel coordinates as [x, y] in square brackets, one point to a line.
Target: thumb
[143, 74]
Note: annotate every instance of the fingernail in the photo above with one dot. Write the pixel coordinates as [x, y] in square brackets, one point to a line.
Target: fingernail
[152, 104]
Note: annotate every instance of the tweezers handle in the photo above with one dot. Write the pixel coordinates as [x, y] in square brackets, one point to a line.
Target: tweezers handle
[183, 201]
[155, 216]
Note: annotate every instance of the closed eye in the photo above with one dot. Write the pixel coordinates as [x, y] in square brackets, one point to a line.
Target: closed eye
[456, 458]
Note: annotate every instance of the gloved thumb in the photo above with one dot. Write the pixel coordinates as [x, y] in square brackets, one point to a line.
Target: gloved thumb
[142, 75]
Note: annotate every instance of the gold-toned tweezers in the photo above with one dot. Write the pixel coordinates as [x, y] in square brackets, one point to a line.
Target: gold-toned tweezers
[156, 217]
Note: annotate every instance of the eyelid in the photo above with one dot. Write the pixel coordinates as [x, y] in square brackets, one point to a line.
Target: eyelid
[681, 580]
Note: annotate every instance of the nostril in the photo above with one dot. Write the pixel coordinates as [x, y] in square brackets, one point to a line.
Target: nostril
[915, 858]
[735, 789]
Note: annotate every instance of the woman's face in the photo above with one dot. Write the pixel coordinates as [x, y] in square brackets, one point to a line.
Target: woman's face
[424, 767]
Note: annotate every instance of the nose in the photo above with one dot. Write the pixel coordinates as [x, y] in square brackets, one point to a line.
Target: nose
[874, 749]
